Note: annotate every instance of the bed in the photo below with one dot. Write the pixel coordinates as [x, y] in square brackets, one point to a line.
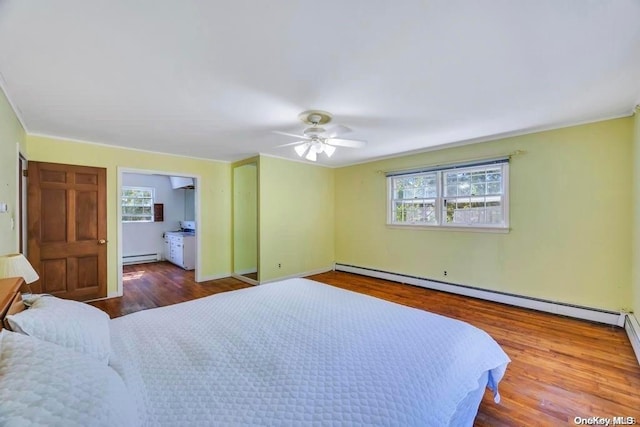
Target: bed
[295, 352]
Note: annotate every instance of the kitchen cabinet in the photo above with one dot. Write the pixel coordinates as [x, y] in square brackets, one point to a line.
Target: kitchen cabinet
[167, 247]
[180, 249]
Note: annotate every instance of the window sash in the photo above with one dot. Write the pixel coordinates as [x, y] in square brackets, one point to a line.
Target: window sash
[136, 204]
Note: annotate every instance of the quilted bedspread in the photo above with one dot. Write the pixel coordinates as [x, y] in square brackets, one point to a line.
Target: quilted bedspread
[298, 352]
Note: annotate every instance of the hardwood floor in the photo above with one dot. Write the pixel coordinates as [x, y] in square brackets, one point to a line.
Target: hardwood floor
[158, 284]
[561, 368]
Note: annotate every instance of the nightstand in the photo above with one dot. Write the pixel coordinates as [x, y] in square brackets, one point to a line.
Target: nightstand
[9, 292]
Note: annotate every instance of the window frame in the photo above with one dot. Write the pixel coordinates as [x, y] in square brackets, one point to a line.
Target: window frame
[147, 218]
[440, 199]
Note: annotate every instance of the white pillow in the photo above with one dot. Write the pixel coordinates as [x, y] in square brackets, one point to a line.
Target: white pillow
[71, 324]
[43, 384]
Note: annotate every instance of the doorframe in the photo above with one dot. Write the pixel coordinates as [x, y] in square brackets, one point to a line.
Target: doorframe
[23, 166]
[120, 175]
[20, 216]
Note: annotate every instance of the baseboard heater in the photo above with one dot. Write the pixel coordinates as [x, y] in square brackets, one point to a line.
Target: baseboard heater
[140, 259]
[580, 312]
[632, 327]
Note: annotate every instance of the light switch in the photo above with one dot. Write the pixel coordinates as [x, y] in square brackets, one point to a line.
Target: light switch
[3, 207]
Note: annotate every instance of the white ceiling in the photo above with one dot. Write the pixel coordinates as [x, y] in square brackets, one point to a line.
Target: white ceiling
[213, 79]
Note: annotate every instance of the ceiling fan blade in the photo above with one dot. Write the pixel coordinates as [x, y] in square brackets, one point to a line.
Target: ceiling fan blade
[352, 143]
[291, 143]
[290, 134]
[336, 130]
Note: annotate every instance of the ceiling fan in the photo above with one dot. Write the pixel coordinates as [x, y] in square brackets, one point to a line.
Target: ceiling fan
[316, 139]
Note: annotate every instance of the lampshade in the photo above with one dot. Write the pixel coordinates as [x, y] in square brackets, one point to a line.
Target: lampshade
[311, 155]
[16, 265]
[329, 150]
[301, 149]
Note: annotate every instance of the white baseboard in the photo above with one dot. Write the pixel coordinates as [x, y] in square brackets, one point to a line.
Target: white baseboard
[306, 273]
[212, 277]
[141, 259]
[245, 279]
[632, 326]
[585, 313]
[249, 271]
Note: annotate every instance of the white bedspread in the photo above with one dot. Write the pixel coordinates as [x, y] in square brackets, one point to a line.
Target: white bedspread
[299, 352]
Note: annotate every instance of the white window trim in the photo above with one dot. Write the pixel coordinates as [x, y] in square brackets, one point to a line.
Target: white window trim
[153, 198]
[439, 200]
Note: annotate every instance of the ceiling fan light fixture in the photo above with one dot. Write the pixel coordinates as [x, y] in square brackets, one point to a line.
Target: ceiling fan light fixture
[329, 149]
[300, 149]
[316, 139]
[317, 146]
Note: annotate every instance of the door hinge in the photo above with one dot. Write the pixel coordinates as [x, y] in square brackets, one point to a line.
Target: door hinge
[25, 172]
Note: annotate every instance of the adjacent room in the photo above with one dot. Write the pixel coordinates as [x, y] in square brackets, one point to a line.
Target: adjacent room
[300, 213]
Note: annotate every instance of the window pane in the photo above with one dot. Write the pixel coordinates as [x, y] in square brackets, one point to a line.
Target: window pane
[415, 186]
[478, 189]
[494, 188]
[474, 211]
[137, 204]
[458, 184]
[494, 175]
[414, 212]
[478, 176]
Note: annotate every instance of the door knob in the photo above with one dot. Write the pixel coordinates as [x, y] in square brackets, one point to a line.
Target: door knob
[102, 242]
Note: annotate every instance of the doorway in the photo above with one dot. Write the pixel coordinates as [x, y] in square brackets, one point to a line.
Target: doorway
[245, 221]
[143, 242]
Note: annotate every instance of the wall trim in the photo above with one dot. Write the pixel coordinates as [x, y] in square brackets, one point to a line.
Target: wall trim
[304, 274]
[212, 277]
[14, 106]
[112, 295]
[121, 147]
[492, 137]
[247, 271]
[632, 327]
[579, 312]
[244, 279]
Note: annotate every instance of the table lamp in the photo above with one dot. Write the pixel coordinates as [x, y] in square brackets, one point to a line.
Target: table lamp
[16, 265]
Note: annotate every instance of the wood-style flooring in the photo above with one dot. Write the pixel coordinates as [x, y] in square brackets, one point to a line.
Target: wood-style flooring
[561, 368]
[158, 284]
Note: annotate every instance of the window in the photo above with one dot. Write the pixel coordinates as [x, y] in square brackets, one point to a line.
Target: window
[137, 204]
[468, 195]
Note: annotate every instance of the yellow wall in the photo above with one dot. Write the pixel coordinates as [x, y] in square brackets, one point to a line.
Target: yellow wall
[11, 134]
[214, 187]
[245, 218]
[570, 219]
[296, 218]
[571, 214]
[636, 215]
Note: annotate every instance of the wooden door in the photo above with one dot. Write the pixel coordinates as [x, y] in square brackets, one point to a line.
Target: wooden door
[67, 229]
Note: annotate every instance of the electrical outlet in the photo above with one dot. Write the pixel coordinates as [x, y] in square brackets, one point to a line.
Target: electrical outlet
[445, 272]
[279, 265]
